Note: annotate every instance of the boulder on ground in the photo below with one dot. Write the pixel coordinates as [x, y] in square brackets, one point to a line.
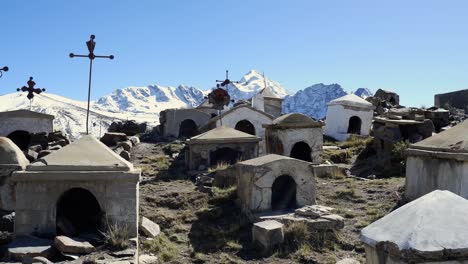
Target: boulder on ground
[126, 145]
[111, 139]
[149, 228]
[30, 246]
[125, 154]
[73, 245]
[268, 233]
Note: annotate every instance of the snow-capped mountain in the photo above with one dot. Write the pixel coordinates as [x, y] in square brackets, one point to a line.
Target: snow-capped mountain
[312, 101]
[251, 83]
[143, 104]
[70, 115]
[363, 92]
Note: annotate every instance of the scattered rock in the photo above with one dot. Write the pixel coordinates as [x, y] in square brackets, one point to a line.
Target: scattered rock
[268, 233]
[111, 139]
[72, 245]
[41, 260]
[30, 246]
[125, 154]
[135, 140]
[129, 252]
[126, 145]
[44, 153]
[7, 222]
[57, 147]
[149, 228]
[147, 259]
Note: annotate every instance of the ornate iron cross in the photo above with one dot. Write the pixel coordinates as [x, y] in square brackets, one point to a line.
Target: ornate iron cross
[225, 82]
[91, 44]
[4, 69]
[30, 89]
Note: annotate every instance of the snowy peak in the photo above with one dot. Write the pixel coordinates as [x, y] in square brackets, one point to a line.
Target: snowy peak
[363, 92]
[252, 83]
[313, 100]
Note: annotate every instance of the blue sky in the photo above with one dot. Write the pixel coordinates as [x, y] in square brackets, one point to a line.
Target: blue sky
[416, 48]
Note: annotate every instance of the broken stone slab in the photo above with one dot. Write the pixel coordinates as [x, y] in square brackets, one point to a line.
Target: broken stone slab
[56, 147]
[336, 220]
[348, 261]
[268, 234]
[61, 142]
[147, 259]
[112, 138]
[314, 211]
[129, 252]
[149, 228]
[73, 245]
[30, 246]
[327, 222]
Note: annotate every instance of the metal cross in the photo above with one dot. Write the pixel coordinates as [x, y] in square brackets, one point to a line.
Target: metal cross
[225, 82]
[91, 44]
[31, 90]
[4, 69]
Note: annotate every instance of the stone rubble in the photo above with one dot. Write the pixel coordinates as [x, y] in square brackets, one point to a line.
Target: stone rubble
[149, 228]
[73, 245]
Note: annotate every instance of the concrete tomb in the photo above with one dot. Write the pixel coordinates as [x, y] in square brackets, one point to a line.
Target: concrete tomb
[243, 118]
[295, 135]
[18, 125]
[220, 145]
[273, 182]
[266, 101]
[348, 115]
[11, 159]
[439, 162]
[182, 123]
[77, 189]
[431, 229]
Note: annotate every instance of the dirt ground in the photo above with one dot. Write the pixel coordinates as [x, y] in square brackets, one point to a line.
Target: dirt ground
[199, 227]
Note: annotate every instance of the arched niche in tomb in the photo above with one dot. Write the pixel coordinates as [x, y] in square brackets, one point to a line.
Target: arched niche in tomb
[283, 193]
[301, 151]
[224, 155]
[246, 127]
[21, 138]
[188, 128]
[354, 126]
[78, 211]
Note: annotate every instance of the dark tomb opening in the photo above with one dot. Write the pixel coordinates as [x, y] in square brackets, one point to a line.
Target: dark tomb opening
[78, 211]
[246, 127]
[224, 155]
[188, 128]
[354, 126]
[283, 193]
[20, 138]
[302, 151]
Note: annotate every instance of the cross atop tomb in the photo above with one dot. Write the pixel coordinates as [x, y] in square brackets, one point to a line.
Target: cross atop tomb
[91, 44]
[30, 89]
[225, 82]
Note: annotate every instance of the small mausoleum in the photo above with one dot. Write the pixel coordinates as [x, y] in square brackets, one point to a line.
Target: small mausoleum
[11, 159]
[431, 229]
[268, 102]
[244, 118]
[18, 125]
[348, 115]
[439, 162]
[295, 135]
[182, 123]
[274, 182]
[75, 190]
[220, 145]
